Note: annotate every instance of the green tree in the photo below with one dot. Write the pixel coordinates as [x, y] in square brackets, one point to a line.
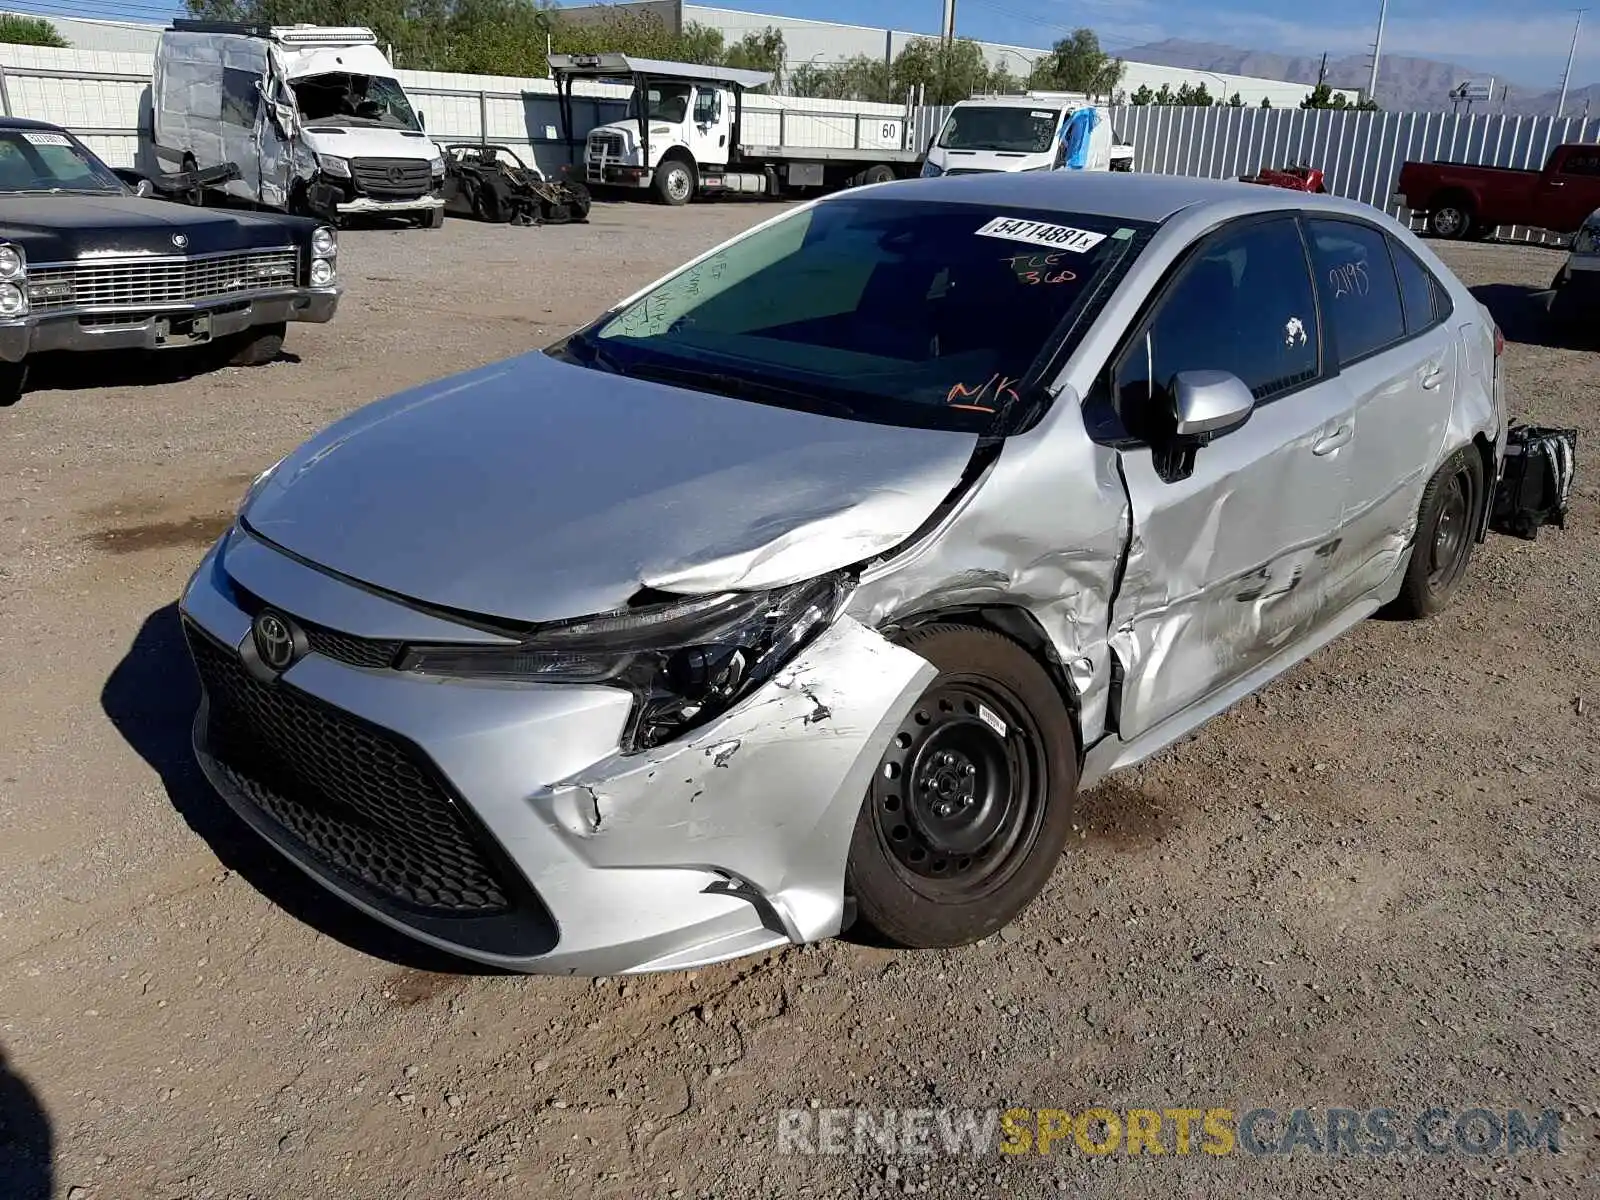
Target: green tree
[860, 78]
[29, 31]
[1323, 96]
[1163, 96]
[763, 51]
[1193, 95]
[1142, 95]
[945, 73]
[1236, 101]
[1266, 102]
[1078, 64]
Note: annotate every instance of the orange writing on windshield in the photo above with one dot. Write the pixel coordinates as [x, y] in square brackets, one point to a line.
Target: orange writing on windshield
[986, 397]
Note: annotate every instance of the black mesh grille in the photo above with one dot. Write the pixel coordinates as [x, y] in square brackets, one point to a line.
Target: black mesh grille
[357, 799]
[346, 648]
[391, 178]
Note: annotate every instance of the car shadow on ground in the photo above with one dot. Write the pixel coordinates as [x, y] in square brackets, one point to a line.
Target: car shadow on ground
[131, 368]
[151, 697]
[26, 1141]
[1523, 314]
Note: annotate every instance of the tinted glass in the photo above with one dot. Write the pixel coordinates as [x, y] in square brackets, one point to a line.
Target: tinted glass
[1417, 290]
[1018, 130]
[45, 161]
[1245, 306]
[1360, 297]
[241, 97]
[1582, 162]
[898, 311]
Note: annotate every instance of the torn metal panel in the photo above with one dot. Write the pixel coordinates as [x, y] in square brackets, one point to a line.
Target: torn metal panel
[768, 794]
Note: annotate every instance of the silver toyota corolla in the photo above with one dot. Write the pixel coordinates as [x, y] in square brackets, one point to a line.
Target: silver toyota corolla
[815, 580]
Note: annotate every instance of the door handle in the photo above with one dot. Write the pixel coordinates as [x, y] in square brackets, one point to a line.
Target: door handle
[1433, 377]
[1328, 443]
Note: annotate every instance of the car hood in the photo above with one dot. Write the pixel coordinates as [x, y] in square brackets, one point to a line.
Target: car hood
[369, 141]
[534, 490]
[62, 227]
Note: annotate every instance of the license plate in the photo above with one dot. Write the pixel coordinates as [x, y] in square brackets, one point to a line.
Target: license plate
[183, 331]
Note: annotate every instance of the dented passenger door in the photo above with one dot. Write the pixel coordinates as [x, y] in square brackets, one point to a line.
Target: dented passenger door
[1227, 564]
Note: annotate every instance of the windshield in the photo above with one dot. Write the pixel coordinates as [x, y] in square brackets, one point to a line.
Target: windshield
[43, 160]
[668, 102]
[1018, 130]
[894, 311]
[341, 99]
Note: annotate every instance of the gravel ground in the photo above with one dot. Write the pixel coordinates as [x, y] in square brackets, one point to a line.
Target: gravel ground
[1372, 885]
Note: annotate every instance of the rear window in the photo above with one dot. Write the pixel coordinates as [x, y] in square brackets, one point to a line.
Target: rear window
[904, 312]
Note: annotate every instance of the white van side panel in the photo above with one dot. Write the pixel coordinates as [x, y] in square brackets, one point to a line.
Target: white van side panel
[207, 94]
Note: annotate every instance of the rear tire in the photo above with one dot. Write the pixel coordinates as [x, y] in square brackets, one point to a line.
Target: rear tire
[1451, 219]
[973, 801]
[674, 182]
[882, 173]
[1446, 534]
[259, 346]
[493, 202]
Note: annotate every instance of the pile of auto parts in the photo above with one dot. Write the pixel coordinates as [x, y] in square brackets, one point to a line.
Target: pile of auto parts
[493, 184]
[1296, 179]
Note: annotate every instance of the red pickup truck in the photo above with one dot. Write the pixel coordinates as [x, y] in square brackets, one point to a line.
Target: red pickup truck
[1465, 201]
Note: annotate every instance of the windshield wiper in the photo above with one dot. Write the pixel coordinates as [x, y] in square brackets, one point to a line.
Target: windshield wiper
[595, 353]
[742, 388]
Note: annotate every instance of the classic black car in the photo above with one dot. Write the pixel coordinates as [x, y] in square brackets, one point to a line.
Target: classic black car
[87, 263]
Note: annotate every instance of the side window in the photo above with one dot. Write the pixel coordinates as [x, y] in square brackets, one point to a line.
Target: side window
[1582, 162]
[1420, 292]
[1360, 296]
[1244, 304]
[240, 97]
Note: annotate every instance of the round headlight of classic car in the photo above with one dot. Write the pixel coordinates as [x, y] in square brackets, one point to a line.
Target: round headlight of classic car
[324, 242]
[12, 264]
[12, 301]
[321, 272]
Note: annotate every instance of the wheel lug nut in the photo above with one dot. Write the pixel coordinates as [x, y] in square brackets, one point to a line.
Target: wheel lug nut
[970, 771]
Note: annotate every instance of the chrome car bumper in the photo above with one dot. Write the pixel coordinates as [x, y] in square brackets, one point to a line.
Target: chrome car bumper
[569, 857]
[139, 330]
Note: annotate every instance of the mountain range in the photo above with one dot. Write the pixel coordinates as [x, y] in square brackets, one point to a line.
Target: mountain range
[1404, 84]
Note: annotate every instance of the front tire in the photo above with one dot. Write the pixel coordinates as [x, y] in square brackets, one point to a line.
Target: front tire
[13, 382]
[973, 801]
[674, 182]
[1446, 534]
[259, 346]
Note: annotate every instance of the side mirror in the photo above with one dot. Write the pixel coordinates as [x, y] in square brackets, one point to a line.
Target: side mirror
[422, 119]
[144, 188]
[1208, 404]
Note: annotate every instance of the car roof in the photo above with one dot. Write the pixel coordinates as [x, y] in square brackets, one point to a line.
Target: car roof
[25, 123]
[1125, 194]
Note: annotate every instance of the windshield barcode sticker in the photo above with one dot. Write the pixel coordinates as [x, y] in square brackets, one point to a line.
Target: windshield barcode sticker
[46, 139]
[1038, 233]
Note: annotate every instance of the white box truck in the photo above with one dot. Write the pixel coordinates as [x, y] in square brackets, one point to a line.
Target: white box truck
[313, 117]
[1040, 131]
[692, 130]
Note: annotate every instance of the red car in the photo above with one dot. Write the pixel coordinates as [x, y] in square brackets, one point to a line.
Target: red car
[1462, 201]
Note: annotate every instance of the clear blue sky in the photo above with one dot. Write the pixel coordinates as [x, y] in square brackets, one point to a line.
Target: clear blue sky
[1525, 43]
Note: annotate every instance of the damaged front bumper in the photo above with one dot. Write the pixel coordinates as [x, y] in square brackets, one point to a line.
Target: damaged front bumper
[729, 841]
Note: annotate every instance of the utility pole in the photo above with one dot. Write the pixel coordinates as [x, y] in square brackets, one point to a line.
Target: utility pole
[1377, 50]
[947, 30]
[1566, 76]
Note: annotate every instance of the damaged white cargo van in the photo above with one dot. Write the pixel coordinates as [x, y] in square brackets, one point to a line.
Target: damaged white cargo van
[313, 117]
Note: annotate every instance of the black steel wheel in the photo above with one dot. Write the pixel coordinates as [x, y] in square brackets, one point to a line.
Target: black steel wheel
[1446, 533]
[972, 800]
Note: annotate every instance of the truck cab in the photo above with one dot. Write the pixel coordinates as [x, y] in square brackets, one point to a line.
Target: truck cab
[692, 122]
[690, 130]
[1041, 131]
[314, 118]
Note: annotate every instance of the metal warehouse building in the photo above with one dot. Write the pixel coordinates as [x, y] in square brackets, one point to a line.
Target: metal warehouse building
[807, 41]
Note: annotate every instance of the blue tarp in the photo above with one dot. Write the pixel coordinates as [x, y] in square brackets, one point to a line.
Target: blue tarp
[1075, 137]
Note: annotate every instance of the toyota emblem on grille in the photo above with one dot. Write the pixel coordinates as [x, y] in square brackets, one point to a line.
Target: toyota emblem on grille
[396, 175]
[180, 240]
[274, 638]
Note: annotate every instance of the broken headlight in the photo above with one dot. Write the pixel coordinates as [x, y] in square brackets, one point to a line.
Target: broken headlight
[684, 660]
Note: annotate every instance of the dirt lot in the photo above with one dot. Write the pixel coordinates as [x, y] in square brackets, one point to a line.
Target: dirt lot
[1375, 884]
